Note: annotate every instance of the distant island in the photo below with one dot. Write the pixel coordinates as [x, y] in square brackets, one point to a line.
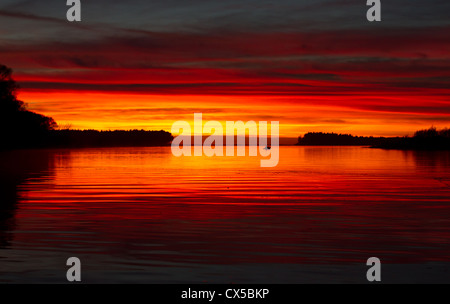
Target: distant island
[23, 129]
[428, 139]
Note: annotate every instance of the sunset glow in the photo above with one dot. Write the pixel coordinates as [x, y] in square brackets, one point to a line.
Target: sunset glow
[355, 114]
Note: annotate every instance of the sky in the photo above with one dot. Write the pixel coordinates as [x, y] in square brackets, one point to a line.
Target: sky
[311, 65]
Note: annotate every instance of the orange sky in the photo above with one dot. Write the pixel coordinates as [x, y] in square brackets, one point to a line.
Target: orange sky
[311, 66]
[358, 114]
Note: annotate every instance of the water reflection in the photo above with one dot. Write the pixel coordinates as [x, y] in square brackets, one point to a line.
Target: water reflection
[431, 160]
[142, 215]
[16, 167]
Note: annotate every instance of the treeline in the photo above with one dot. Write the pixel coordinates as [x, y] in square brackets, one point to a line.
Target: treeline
[427, 139]
[116, 138]
[84, 139]
[334, 139]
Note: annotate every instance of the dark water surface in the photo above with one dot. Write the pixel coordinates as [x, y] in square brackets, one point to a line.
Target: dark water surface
[141, 215]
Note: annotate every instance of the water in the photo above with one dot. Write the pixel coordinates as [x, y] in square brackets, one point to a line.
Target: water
[140, 215]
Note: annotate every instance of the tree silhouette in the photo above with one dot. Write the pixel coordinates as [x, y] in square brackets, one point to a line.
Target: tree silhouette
[18, 126]
[8, 92]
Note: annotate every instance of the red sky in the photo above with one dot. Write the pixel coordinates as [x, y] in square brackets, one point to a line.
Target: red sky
[318, 67]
